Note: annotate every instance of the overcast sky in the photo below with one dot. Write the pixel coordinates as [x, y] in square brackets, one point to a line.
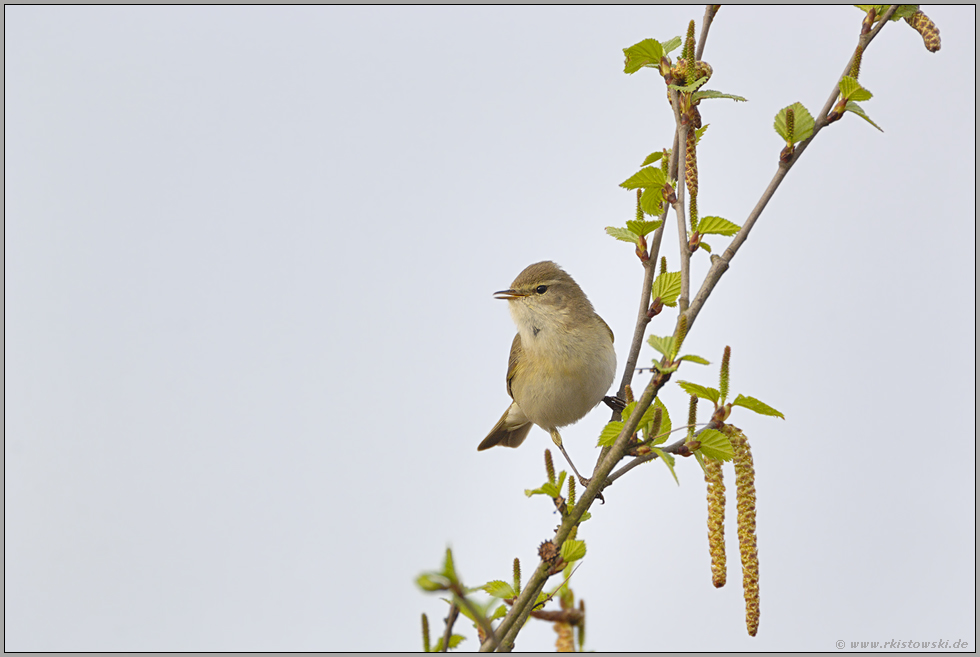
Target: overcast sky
[251, 346]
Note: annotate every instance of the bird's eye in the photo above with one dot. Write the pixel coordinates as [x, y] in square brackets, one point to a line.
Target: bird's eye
[541, 289]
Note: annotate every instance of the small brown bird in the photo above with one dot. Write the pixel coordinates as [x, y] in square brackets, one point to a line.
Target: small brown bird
[562, 360]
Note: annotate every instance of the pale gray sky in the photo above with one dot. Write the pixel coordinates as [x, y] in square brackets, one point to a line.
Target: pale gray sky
[250, 343]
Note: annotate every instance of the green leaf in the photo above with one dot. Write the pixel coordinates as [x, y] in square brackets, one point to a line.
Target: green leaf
[715, 444]
[664, 345]
[705, 246]
[802, 122]
[572, 551]
[647, 419]
[903, 11]
[852, 90]
[448, 567]
[708, 94]
[499, 589]
[431, 582]
[667, 287]
[547, 488]
[652, 157]
[668, 460]
[854, 107]
[623, 234]
[700, 391]
[700, 131]
[717, 226]
[694, 359]
[652, 200]
[610, 432]
[643, 227]
[671, 44]
[700, 460]
[644, 178]
[754, 404]
[499, 612]
[689, 88]
[454, 641]
[645, 53]
[585, 516]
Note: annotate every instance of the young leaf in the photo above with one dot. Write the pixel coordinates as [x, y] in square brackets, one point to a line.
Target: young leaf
[705, 246]
[803, 123]
[700, 131]
[852, 90]
[715, 444]
[667, 287]
[548, 489]
[623, 234]
[610, 432]
[668, 460]
[499, 612]
[652, 200]
[572, 551]
[671, 44]
[448, 567]
[652, 157]
[664, 345]
[691, 358]
[689, 88]
[700, 391]
[647, 419]
[499, 589]
[644, 178]
[717, 226]
[431, 582]
[645, 53]
[854, 107]
[454, 641]
[643, 227]
[707, 94]
[754, 404]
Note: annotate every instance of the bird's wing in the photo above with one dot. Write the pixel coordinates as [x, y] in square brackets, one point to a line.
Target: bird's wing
[516, 351]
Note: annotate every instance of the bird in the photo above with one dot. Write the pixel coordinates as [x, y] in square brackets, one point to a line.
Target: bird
[562, 361]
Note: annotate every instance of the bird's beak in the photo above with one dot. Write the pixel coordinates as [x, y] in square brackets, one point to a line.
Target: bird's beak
[508, 294]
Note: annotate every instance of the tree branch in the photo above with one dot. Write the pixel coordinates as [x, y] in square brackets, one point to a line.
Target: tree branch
[514, 621]
[719, 264]
[650, 269]
[709, 16]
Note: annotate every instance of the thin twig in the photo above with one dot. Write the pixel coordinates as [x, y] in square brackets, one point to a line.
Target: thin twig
[650, 271]
[450, 620]
[820, 121]
[673, 448]
[679, 210]
[482, 621]
[709, 15]
[719, 264]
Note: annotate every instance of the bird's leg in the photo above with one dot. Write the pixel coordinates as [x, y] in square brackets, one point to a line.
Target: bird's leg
[555, 436]
[615, 403]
